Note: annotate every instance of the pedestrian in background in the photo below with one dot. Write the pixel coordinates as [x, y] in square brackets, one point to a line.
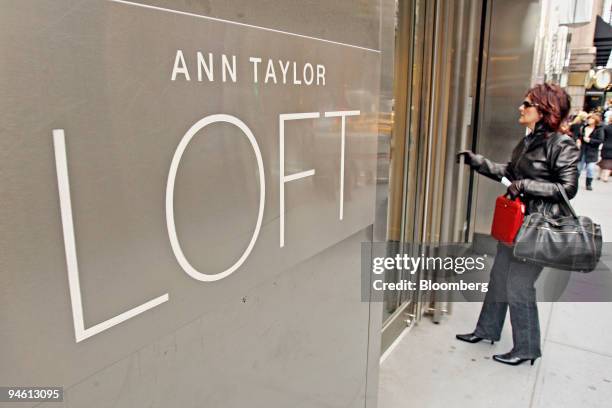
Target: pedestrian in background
[608, 112]
[592, 135]
[606, 153]
[541, 164]
[576, 125]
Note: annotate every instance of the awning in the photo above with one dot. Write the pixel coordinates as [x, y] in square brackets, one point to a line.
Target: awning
[602, 41]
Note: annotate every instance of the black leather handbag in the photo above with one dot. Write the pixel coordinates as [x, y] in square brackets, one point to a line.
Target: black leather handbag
[571, 243]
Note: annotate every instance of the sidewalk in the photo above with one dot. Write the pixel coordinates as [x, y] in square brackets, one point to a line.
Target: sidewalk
[430, 368]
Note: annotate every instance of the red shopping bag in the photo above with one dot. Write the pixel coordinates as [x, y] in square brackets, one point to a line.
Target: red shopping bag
[507, 219]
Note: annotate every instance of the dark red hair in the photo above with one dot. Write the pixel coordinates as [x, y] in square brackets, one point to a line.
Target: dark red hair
[552, 102]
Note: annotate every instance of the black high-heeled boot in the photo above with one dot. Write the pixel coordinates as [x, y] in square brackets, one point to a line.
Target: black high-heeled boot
[509, 359]
[471, 338]
[589, 183]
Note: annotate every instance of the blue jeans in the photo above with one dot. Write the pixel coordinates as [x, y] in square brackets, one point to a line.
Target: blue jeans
[511, 286]
[590, 168]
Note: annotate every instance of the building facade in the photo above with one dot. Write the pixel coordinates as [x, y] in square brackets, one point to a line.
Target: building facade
[188, 186]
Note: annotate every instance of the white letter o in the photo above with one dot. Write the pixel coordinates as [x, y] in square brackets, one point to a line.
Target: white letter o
[176, 247]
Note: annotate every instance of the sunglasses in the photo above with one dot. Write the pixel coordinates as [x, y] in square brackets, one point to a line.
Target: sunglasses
[527, 104]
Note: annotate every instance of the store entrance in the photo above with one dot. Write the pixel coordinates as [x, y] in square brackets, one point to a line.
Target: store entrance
[437, 47]
[398, 307]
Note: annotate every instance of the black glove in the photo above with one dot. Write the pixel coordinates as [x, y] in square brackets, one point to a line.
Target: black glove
[469, 158]
[515, 189]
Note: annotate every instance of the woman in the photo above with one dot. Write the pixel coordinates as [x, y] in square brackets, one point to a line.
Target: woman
[606, 154]
[542, 162]
[591, 137]
[575, 127]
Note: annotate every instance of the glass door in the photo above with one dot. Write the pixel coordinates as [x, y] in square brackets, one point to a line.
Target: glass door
[408, 82]
[436, 49]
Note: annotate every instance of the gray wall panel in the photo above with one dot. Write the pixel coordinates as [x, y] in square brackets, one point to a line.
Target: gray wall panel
[512, 32]
[287, 328]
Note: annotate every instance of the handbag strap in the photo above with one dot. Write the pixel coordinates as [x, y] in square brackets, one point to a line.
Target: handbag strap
[566, 200]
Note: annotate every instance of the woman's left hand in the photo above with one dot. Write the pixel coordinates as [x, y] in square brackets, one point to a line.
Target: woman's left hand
[515, 189]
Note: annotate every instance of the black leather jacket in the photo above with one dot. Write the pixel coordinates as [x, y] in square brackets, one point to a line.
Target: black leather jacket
[542, 159]
[590, 150]
[606, 152]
